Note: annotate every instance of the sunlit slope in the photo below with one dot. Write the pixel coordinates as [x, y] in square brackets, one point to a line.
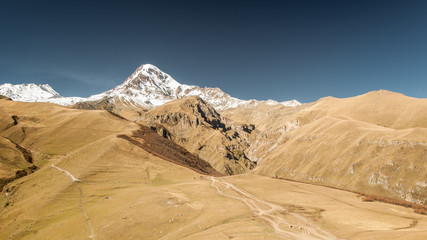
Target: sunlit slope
[114, 177]
[123, 192]
[355, 156]
[49, 130]
[264, 116]
[383, 108]
[269, 123]
[373, 143]
[84, 165]
[110, 187]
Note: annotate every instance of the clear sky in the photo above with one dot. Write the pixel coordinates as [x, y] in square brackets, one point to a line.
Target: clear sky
[250, 49]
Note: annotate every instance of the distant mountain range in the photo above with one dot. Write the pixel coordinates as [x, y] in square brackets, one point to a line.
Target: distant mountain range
[147, 87]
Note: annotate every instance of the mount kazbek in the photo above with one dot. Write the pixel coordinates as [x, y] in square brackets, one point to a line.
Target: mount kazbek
[147, 87]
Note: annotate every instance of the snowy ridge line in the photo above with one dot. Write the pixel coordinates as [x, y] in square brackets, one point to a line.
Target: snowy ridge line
[147, 87]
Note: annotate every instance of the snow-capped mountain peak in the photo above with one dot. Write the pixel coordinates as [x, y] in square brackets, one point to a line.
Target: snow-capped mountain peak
[148, 80]
[28, 92]
[147, 87]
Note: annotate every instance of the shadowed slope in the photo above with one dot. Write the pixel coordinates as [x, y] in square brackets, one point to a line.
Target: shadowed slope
[151, 142]
[15, 161]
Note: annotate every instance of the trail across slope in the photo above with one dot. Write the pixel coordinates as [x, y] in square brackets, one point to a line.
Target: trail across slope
[75, 181]
[66, 172]
[286, 224]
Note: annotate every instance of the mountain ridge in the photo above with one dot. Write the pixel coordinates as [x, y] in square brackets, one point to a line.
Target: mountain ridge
[147, 87]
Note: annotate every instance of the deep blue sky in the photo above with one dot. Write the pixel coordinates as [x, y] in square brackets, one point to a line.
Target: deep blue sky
[250, 49]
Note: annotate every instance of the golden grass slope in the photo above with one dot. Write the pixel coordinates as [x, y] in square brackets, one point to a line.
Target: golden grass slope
[127, 193]
[373, 143]
[49, 130]
[270, 123]
[123, 192]
[383, 108]
[379, 130]
[355, 156]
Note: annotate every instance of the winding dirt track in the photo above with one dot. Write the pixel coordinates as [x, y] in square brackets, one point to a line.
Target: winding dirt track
[76, 181]
[286, 224]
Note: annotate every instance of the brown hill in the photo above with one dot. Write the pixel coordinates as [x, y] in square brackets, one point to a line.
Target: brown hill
[270, 123]
[353, 155]
[49, 130]
[382, 108]
[374, 143]
[195, 125]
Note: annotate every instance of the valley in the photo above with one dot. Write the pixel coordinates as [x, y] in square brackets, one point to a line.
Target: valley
[155, 159]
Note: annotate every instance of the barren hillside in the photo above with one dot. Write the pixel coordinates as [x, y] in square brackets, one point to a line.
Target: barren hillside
[373, 143]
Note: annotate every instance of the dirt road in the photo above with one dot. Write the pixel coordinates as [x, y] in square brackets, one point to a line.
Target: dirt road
[286, 224]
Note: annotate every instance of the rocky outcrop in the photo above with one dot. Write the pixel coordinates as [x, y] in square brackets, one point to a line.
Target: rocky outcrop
[198, 127]
[5, 98]
[104, 103]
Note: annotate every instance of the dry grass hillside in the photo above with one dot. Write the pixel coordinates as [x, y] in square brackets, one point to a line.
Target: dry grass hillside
[195, 125]
[123, 192]
[270, 123]
[353, 155]
[103, 177]
[32, 134]
[374, 143]
[50, 130]
[382, 108]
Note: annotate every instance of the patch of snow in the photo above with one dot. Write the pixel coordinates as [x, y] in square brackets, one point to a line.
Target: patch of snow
[291, 103]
